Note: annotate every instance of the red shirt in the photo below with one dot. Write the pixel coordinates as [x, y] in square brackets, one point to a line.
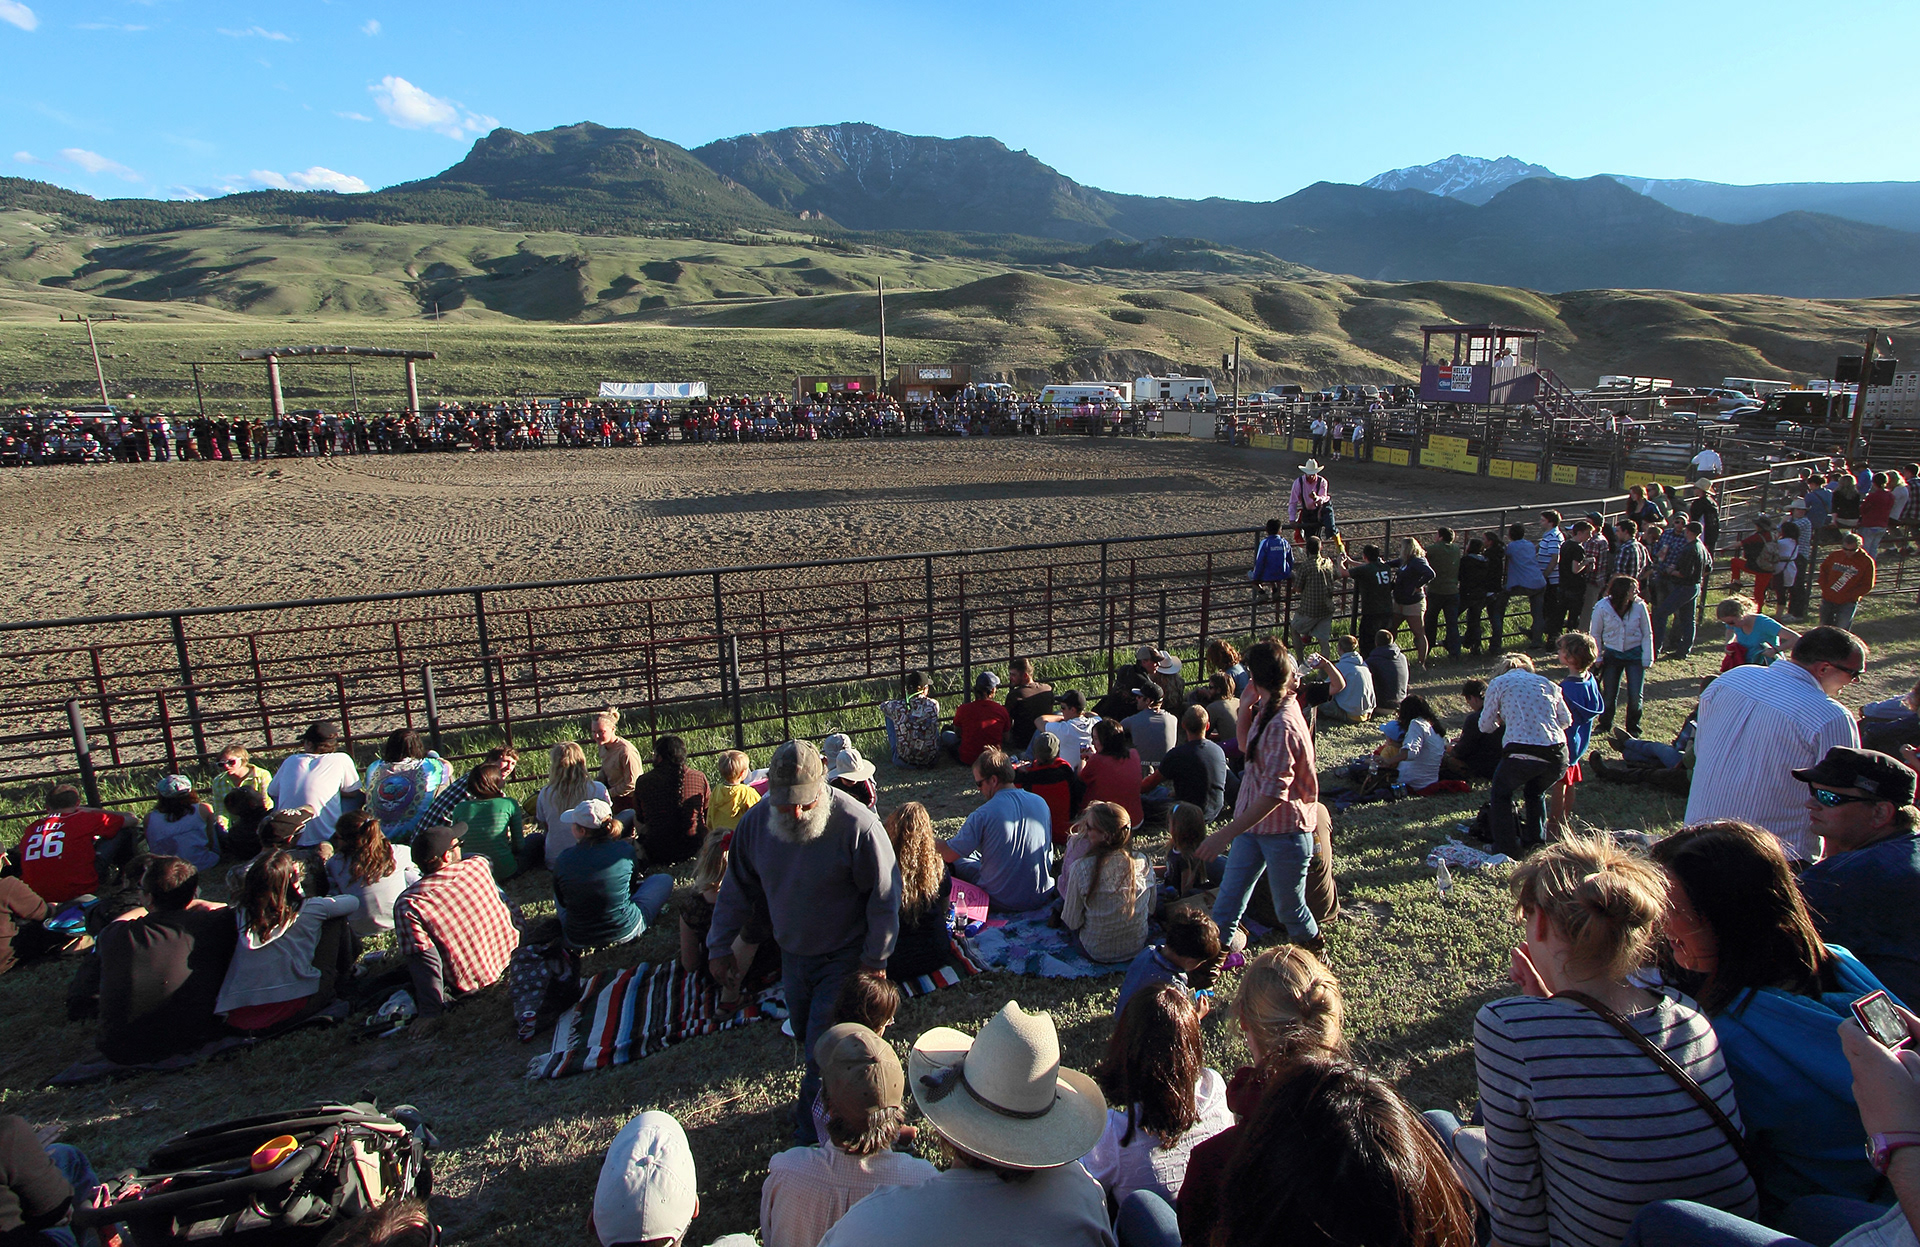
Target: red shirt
[980, 724]
[1876, 509]
[56, 855]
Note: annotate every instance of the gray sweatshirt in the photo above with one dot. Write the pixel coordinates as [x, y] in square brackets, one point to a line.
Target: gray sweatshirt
[839, 888]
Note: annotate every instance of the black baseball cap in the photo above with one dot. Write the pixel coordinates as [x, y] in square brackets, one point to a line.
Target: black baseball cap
[434, 842]
[1879, 775]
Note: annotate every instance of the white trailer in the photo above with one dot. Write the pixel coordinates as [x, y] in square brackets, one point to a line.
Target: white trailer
[1096, 392]
[1168, 390]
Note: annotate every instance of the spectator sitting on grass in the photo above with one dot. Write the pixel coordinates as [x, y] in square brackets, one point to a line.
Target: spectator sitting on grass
[162, 968]
[492, 821]
[1423, 743]
[648, 1191]
[1006, 843]
[1388, 664]
[1865, 889]
[1195, 770]
[913, 724]
[366, 865]
[1112, 771]
[598, 902]
[1162, 1099]
[453, 927]
[732, 797]
[862, 1089]
[232, 771]
[281, 830]
[670, 802]
[1027, 701]
[1072, 728]
[1355, 702]
[1153, 730]
[978, 724]
[1107, 892]
[1054, 782]
[293, 954]
[404, 781]
[1474, 754]
[1288, 1006]
[926, 895]
[568, 784]
[619, 760]
[1016, 1123]
[440, 812]
[1191, 948]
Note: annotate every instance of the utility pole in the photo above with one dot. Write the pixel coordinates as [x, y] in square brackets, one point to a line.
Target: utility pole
[99, 373]
[883, 334]
[1860, 392]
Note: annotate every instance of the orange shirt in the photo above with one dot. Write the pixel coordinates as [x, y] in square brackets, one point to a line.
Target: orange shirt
[1846, 577]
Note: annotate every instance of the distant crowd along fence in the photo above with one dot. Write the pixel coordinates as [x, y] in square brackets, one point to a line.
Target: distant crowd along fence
[1520, 445]
[740, 652]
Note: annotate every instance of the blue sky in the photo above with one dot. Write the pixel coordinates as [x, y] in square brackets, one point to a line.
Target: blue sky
[1250, 100]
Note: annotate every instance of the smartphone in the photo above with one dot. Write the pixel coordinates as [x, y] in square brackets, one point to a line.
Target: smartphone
[1879, 1018]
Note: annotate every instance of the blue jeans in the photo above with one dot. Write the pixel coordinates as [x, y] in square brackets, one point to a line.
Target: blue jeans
[1611, 670]
[1677, 605]
[1146, 1220]
[1814, 1221]
[1284, 859]
[1448, 605]
[73, 1166]
[1651, 753]
[811, 984]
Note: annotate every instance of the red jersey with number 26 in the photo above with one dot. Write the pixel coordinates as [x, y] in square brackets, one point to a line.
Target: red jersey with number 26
[56, 857]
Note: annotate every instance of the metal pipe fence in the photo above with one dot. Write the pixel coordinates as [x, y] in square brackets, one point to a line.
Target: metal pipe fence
[739, 651]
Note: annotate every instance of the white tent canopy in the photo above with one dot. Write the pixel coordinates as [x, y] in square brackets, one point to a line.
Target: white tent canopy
[653, 389]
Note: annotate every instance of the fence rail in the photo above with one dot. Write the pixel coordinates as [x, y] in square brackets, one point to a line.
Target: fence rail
[738, 650]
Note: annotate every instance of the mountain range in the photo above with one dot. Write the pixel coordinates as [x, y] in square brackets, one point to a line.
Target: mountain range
[1476, 179]
[1503, 222]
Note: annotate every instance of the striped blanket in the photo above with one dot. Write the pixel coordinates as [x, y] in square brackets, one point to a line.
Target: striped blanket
[625, 1015]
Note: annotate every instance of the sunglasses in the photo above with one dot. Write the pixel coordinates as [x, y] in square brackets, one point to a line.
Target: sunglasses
[1852, 673]
[1834, 800]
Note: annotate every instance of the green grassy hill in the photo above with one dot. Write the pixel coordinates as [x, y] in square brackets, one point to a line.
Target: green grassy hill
[527, 311]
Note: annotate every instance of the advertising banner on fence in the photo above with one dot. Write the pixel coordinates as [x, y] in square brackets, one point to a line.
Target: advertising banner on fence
[1450, 454]
[653, 389]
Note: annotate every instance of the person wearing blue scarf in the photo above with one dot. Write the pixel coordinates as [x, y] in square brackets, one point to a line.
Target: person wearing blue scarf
[1741, 941]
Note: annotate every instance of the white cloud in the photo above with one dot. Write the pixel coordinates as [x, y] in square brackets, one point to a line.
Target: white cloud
[353, 116]
[410, 108]
[14, 13]
[94, 162]
[318, 178]
[251, 32]
[28, 158]
[372, 27]
[119, 26]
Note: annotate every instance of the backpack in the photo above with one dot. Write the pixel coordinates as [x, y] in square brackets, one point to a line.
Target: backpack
[916, 729]
[1767, 558]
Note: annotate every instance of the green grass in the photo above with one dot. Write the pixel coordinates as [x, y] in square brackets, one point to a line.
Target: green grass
[521, 1158]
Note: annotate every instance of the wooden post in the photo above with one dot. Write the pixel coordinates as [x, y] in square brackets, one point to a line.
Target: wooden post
[83, 754]
[413, 386]
[273, 389]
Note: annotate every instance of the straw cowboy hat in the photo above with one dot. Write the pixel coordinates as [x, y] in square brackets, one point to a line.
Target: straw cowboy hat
[1310, 468]
[849, 765]
[1004, 1096]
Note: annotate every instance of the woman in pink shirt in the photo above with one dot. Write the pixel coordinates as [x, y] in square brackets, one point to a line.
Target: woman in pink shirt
[1272, 827]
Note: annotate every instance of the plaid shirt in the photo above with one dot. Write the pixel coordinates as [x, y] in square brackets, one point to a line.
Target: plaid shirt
[1667, 551]
[1316, 588]
[1631, 559]
[1599, 554]
[439, 812]
[459, 909]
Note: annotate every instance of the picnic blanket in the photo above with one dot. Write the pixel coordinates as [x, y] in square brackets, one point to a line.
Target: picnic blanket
[1026, 944]
[626, 1015]
[87, 1070]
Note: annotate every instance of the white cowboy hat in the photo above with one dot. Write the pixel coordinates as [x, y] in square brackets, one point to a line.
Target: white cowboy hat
[848, 764]
[1310, 468]
[1004, 1096]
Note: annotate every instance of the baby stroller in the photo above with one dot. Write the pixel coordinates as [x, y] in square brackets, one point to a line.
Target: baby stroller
[204, 1186]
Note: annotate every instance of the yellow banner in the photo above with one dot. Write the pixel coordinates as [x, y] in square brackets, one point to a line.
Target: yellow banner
[1450, 454]
[1513, 469]
[1387, 454]
[1565, 474]
[1640, 476]
[1303, 445]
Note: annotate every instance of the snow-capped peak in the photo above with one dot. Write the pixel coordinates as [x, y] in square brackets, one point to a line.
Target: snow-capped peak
[1474, 179]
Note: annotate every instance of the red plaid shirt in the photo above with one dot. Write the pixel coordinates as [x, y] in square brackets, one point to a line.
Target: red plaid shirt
[458, 908]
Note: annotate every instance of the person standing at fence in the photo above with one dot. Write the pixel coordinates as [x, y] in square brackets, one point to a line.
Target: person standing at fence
[619, 760]
[319, 777]
[1480, 585]
[1793, 584]
[1312, 621]
[1547, 550]
[1372, 578]
[1443, 595]
[1678, 577]
[1524, 580]
[1703, 508]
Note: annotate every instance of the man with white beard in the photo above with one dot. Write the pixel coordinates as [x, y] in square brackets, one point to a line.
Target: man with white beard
[820, 866]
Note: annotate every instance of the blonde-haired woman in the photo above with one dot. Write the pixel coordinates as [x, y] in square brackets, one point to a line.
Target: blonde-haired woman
[925, 942]
[567, 786]
[1107, 895]
[1583, 1127]
[1289, 1005]
[1411, 576]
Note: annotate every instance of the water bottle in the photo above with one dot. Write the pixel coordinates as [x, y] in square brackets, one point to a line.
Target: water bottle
[1443, 880]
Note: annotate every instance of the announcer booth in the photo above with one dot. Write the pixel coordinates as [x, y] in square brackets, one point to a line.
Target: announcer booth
[827, 388]
[928, 383]
[1489, 365]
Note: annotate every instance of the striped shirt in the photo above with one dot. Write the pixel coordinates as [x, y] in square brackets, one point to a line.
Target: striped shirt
[1584, 1130]
[1548, 552]
[1757, 724]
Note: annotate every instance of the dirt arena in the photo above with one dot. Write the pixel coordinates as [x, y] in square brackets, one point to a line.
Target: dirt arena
[92, 540]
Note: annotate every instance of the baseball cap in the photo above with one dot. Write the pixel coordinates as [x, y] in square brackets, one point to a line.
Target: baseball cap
[796, 776]
[319, 731]
[433, 842]
[286, 822]
[647, 1188]
[174, 785]
[858, 1072]
[1595, 518]
[589, 813]
[1046, 747]
[1879, 775]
